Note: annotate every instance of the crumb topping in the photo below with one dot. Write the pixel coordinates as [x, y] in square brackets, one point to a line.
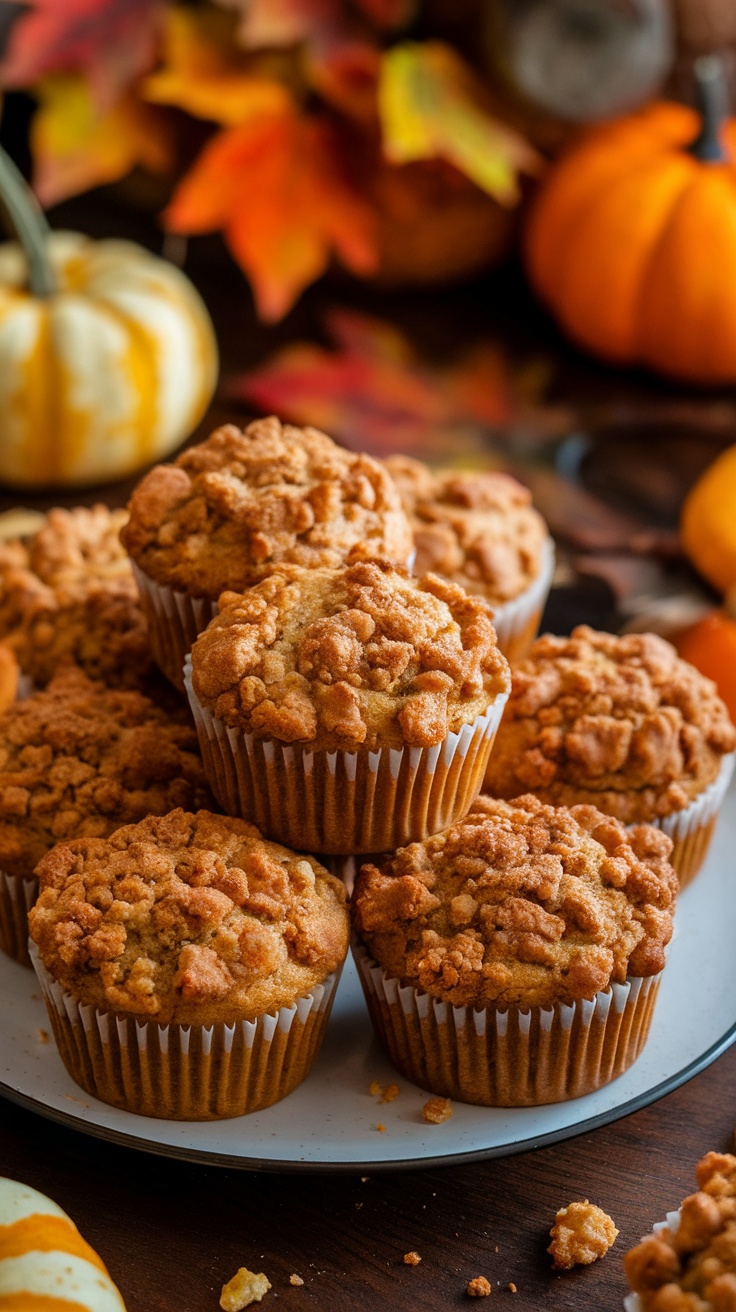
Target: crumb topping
[692, 1267]
[241, 502]
[621, 722]
[81, 759]
[352, 657]
[580, 1235]
[188, 917]
[478, 1287]
[520, 904]
[436, 1111]
[245, 1288]
[477, 528]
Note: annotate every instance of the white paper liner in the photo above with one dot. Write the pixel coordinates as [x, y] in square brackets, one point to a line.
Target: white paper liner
[508, 1058]
[633, 1302]
[516, 621]
[344, 802]
[691, 829]
[17, 896]
[187, 1072]
[175, 621]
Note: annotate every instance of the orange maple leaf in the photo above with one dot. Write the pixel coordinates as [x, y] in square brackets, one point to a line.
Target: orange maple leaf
[276, 188]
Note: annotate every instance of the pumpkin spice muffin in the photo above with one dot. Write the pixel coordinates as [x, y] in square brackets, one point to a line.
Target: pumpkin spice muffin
[688, 1263]
[80, 759]
[229, 510]
[621, 723]
[480, 530]
[67, 592]
[215, 952]
[515, 958]
[347, 709]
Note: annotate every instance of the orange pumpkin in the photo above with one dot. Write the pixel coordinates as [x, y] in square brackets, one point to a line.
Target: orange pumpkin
[710, 645]
[632, 240]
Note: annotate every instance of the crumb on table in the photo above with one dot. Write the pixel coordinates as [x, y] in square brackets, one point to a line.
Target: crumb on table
[374, 1089]
[437, 1110]
[381, 1127]
[412, 1259]
[478, 1287]
[512, 1287]
[581, 1233]
[246, 1287]
[295, 1280]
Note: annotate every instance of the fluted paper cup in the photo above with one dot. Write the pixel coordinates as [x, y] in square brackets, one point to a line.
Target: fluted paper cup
[17, 896]
[516, 622]
[175, 621]
[516, 1057]
[187, 1072]
[691, 829]
[344, 802]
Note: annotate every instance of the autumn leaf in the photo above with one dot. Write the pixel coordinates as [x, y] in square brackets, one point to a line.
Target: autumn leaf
[388, 14]
[431, 106]
[275, 187]
[110, 42]
[376, 394]
[202, 73]
[75, 146]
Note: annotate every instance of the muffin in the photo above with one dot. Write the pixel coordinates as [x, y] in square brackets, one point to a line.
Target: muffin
[188, 966]
[514, 959]
[67, 592]
[623, 724]
[688, 1263]
[80, 760]
[229, 510]
[480, 530]
[347, 709]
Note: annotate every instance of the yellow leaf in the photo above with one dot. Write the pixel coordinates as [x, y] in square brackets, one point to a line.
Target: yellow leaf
[75, 147]
[204, 76]
[431, 106]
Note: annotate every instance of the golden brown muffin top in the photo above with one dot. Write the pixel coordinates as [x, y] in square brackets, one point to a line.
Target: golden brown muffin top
[692, 1267]
[188, 918]
[520, 904]
[358, 656]
[477, 528]
[620, 722]
[231, 508]
[81, 759]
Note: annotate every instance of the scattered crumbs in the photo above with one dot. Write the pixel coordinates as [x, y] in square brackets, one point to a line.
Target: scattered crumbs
[43, 1036]
[246, 1287]
[437, 1110]
[512, 1288]
[364, 1178]
[580, 1235]
[295, 1280]
[358, 1206]
[478, 1287]
[374, 1089]
[496, 1249]
[390, 1092]
[412, 1259]
[381, 1127]
[70, 1098]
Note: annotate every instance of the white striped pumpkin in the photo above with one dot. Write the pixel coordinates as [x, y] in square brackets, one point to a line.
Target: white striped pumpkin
[108, 373]
[44, 1261]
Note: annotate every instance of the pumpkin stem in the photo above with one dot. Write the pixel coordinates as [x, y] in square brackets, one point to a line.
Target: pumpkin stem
[27, 223]
[713, 105]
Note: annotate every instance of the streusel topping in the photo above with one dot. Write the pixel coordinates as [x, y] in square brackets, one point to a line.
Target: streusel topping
[231, 508]
[188, 917]
[620, 722]
[358, 656]
[82, 759]
[521, 904]
[478, 529]
[691, 1267]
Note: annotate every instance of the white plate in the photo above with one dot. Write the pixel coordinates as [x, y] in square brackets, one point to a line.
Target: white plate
[330, 1122]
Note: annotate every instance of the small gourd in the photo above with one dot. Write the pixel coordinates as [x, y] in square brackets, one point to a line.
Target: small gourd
[710, 645]
[107, 354]
[44, 1261]
[708, 522]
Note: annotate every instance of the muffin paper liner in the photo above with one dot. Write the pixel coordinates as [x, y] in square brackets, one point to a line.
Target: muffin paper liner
[17, 896]
[634, 1302]
[517, 1057]
[175, 621]
[516, 622]
[344, 802]
[187, 1072]
[692, 828]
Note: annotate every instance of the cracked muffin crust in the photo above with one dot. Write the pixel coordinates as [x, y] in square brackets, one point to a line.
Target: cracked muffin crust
[191, 918]
[689, 1265]
[478, 529]
[82, 759]
[360, 656]
[620, 722]
[520, 905]
[229, 510]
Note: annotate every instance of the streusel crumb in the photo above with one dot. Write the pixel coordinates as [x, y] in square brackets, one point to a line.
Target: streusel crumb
[690, 1265]
[295, 1280]
[412, 1259]
[580, 1235]
[437, 1110]
[478, 1287]
[246, 1287]
[620, 722]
